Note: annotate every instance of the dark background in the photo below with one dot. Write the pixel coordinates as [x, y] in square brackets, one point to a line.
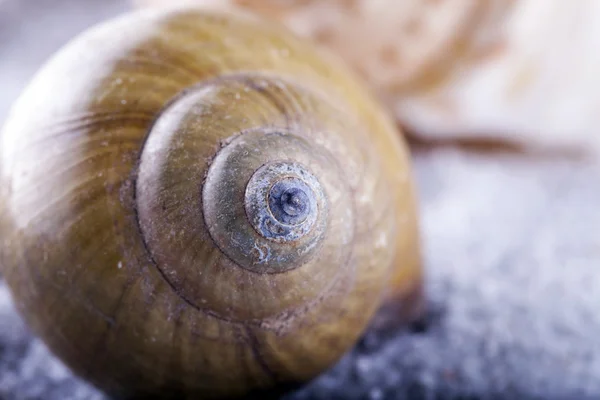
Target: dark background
[511, 246]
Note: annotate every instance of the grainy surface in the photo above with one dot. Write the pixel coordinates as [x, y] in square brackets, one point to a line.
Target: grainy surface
[511, 250]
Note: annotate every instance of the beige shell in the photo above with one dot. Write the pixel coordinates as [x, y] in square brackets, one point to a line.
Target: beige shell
[525, 71]
[389, 42]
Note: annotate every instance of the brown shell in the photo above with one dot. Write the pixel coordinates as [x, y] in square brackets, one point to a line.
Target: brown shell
[127, 151]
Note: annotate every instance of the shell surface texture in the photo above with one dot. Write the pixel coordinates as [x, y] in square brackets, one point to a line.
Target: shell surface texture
[202, 205]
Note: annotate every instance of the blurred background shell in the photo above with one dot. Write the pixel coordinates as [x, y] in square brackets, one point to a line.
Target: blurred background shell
[520, 71]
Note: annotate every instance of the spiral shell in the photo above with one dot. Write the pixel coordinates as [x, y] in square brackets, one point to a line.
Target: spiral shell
[199, 204]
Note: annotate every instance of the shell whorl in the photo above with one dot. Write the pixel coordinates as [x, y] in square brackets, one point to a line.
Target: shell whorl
[274, 235]
[214, 174]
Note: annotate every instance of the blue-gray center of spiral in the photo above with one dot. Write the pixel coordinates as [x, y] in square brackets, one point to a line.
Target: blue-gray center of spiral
[289, 201]
[281, 201]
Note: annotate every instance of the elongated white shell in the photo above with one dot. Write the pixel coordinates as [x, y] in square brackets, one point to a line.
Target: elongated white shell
[527, 71]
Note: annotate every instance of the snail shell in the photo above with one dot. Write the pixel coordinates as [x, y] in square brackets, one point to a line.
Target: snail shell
[198, 204]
